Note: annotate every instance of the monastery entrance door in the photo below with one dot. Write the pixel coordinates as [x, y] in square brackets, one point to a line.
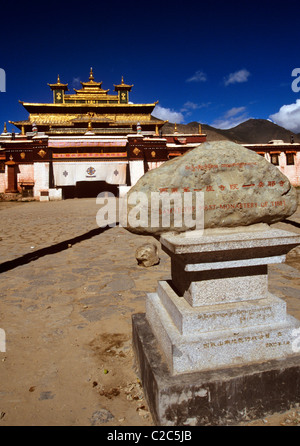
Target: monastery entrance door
[89, 189]
[12, 169]
[85, 189]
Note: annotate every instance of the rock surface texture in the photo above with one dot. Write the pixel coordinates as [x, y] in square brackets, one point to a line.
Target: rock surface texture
[240, 187]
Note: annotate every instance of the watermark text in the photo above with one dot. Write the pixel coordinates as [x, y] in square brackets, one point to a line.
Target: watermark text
[159, 210]
[296, 82]
[2, 80]
[2, 341]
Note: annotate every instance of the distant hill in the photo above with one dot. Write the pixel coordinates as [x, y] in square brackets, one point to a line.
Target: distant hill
[253, 131]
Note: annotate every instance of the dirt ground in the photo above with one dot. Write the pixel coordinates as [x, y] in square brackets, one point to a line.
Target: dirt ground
[67, 293]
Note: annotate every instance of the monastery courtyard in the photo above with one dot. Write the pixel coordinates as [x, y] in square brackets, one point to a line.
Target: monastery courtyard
[68, 290]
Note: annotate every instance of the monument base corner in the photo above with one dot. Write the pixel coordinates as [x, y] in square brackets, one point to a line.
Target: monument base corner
[225, 396]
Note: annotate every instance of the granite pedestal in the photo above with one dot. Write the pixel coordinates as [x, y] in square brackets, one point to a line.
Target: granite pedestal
[215, 324]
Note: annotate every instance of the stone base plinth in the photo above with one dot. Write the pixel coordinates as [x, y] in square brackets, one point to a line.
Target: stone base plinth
[218, 397]
[215, 347]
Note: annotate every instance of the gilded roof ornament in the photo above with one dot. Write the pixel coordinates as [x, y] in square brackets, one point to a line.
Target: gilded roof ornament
[123, 85]
[91, 78]
[58, 85]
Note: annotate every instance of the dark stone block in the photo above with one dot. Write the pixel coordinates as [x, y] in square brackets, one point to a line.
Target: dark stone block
[220, 397]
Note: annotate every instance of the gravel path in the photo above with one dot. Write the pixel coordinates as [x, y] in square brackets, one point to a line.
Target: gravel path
[67, 292]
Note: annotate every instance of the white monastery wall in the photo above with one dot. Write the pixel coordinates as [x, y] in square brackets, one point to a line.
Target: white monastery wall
[3, 185]
[25, 173]
[41, 178]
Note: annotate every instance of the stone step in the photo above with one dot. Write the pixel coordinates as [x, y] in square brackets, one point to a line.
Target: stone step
[236, 315]
[237, 286]
[220, 348]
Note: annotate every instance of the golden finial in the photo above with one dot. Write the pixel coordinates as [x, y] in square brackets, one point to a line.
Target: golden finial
[58, 79]
[91, 75]
[200, 129]
[175, 128]
[122, 82]
[5, 129]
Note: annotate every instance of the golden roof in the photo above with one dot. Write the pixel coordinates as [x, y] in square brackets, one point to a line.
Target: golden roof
[90, 103]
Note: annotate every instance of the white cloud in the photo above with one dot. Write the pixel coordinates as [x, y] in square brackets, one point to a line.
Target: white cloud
[76, 82]
[237, 77]
[167, 114]
[234, 111]
[199, 76]
[189, 105]
[231, 118]
[228, 123]
[288, 117]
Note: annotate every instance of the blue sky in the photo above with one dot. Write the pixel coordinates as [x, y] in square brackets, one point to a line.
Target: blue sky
[215, 62]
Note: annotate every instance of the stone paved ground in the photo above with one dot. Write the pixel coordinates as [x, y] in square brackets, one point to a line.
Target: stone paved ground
[67, 293]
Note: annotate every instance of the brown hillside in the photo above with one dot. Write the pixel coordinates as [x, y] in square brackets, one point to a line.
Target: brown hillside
[261, 131]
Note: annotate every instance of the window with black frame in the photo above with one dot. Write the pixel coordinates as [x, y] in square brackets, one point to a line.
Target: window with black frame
[275, 159]
[290, 159]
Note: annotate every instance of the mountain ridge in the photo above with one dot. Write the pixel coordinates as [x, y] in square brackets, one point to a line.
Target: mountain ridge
[252, 131]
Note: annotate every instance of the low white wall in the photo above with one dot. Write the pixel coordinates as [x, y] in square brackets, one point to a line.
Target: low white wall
[55, 194]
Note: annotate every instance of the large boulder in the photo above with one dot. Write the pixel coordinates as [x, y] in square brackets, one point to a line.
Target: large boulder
[240, 188]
